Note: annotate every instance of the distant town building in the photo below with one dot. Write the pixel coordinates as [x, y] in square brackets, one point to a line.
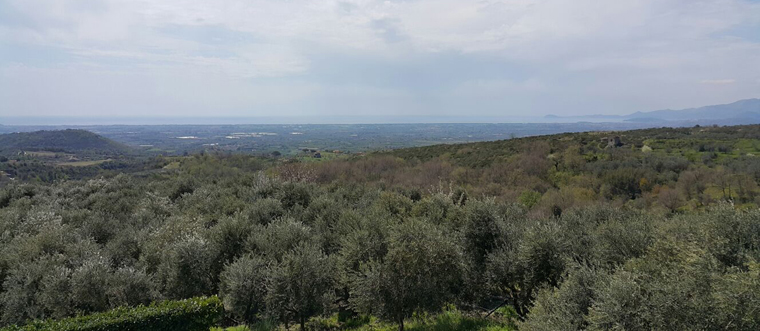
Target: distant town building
[612, 142]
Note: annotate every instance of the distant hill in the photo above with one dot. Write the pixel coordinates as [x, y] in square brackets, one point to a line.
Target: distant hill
[71, 141]
[740, 112]
[485, 153]
[743, 109]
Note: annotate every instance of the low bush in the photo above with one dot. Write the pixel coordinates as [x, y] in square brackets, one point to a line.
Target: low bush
[190, 314]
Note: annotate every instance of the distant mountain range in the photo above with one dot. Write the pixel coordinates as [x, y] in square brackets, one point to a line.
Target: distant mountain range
[740, 112]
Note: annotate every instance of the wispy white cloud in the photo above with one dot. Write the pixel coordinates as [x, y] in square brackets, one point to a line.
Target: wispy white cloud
[549, 56]
[718, 81]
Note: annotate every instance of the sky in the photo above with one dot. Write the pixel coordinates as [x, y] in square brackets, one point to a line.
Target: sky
[291, 58]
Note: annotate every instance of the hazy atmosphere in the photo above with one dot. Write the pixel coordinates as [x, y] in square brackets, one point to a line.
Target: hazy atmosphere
[400, 165]
[235, 58]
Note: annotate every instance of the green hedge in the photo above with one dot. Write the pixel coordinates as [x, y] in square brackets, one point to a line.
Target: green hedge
[190, 314]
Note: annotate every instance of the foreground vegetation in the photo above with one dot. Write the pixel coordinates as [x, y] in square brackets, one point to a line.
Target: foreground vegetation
[588, 238]
[449, 319]
[196, 314]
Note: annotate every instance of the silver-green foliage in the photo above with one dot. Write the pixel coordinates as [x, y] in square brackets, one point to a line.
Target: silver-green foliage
[422, 271]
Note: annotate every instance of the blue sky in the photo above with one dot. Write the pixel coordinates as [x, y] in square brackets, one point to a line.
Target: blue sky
[251, 58]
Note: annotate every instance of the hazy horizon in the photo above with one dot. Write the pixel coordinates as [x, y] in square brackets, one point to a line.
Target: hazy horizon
[684, 119]
[273, 120]
[422, 58]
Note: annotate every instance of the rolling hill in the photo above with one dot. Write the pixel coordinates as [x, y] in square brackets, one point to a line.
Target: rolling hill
[69, 141]
[484, 154]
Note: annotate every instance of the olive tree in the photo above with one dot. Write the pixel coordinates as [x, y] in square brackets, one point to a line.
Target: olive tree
[299, 285]
[422, 271]
[565, 307]
[670, 288]
[244, 287]
[185, 268]
[539, 260]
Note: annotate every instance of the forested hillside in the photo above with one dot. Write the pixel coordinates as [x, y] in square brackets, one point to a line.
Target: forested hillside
[49, 156]
[668, 169]
[71, 141]
[657, 230]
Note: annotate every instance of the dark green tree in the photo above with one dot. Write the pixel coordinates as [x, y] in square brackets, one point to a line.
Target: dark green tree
[244, 287]
[422, 271]
[299, 287]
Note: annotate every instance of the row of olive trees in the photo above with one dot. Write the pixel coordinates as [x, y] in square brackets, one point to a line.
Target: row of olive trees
[421, 271]
[88, 246]
[700, 274]
[289, 251]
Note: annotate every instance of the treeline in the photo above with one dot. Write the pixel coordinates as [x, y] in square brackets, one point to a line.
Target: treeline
[29, 169]
[195, 314]
[292, 250]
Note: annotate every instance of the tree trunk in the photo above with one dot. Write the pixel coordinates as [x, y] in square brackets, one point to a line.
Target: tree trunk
[520, 303]
[497, 307]
[248, 313]
[401, 324]
[303, 323]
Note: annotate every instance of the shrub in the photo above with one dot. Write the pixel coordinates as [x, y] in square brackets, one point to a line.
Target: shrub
[530, 198]
[189, 314]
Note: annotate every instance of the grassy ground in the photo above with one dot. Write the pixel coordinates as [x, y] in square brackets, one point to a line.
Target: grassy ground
[173, 165]
[82, 163]
[48, 154]
[449, 320]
